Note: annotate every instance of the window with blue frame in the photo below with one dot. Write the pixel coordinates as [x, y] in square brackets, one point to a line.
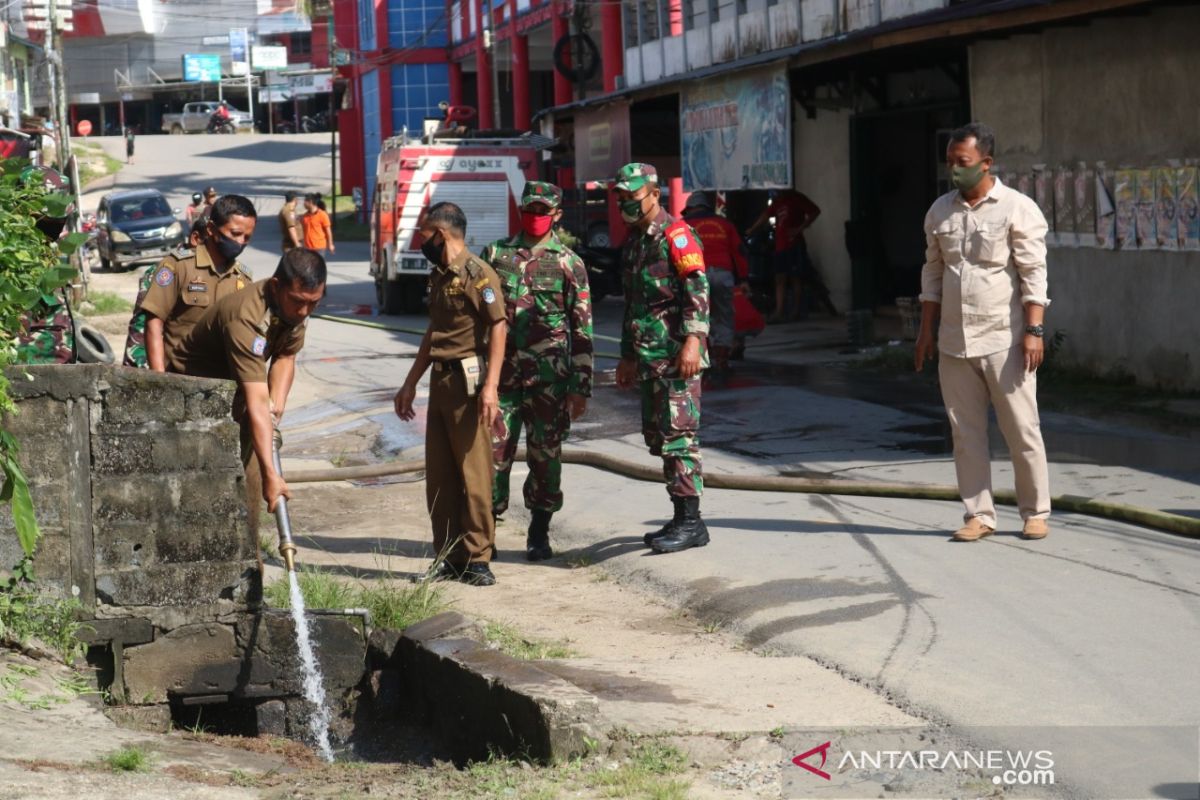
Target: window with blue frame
[366, 26]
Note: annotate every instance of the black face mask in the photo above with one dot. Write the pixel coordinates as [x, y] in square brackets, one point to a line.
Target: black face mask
[229, 249]
[434, 252]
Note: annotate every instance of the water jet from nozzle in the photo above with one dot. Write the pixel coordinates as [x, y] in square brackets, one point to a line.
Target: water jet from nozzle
[287, 548]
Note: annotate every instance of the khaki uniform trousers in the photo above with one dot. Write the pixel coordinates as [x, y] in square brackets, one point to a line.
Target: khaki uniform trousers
[968, 384]
[458, 471]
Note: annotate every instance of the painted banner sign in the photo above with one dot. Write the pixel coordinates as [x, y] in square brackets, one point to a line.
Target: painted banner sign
[736, 133]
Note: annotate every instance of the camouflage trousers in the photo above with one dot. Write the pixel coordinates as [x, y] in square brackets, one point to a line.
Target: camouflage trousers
[542, 410]
[135, 339]
[671, 427]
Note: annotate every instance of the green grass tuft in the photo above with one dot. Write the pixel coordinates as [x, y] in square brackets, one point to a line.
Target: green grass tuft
[391, 603]
[128, 759]
[100, 303]
[319, 589]
[508, 639]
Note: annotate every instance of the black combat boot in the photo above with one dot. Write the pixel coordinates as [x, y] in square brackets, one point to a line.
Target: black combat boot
[537, 540]
[690, 531]
[649, 538]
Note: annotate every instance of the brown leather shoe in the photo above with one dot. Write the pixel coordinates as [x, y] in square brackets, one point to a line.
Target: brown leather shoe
[1035, 529]
[974, 529]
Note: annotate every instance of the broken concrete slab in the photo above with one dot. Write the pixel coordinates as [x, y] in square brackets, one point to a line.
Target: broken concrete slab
[193, 659]
[481, 701]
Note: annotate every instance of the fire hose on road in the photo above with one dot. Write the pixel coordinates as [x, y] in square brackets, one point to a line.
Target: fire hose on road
[1119, 512]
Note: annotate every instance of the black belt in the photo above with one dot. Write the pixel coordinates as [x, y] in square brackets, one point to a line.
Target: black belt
[447, 365]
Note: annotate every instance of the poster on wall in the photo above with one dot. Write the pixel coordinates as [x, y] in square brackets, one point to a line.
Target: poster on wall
[736, 133]
[1187, 215]
[601, 142]
[1165, 204]
[1125, 199]
[1064, 207]
[1085, 205]
[1106, 208]
[1143, 190]
[1043, 195]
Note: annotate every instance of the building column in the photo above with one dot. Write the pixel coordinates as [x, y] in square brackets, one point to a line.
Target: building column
[520, 78]
[483, 73]
[559, 27]
[456, 83]
[612, 48]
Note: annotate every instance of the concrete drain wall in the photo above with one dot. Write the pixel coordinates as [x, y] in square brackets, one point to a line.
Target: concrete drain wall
[139, 492]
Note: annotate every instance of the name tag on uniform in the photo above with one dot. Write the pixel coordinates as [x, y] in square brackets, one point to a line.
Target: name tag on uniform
[197, 287]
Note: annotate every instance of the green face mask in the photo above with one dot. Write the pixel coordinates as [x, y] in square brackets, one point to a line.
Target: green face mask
[631, 210]
[966, 178]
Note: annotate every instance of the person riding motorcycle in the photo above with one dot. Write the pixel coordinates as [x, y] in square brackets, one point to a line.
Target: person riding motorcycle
[220, 117]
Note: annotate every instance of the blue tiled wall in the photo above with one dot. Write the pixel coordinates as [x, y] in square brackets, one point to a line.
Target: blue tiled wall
[417, 23]
[416, 91]
[372, 127]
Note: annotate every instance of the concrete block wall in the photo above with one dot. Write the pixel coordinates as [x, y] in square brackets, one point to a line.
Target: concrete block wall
[138, 489]
[1119, 90]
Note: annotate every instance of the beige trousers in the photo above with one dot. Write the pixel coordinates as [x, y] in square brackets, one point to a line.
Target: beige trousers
[968, 384]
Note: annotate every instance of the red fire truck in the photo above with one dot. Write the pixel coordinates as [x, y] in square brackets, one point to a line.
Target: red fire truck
[482, 175]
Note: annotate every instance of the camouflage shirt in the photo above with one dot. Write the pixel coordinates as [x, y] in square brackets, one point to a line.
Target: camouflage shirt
[47, 335]
[666, 295]
[549, 315]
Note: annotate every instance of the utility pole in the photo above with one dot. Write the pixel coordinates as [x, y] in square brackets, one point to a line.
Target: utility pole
[333, 142]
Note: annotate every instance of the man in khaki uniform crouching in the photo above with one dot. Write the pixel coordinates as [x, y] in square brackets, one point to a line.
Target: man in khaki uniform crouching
[466, 322]
[252, 337]
[985, 274]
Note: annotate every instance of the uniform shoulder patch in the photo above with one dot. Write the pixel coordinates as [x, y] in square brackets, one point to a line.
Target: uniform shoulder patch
[474, 268]
[489, 296]
[687, 255]
[164, 277]
[260, 345]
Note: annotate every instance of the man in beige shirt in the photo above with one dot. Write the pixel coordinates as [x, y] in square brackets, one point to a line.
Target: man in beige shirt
[985, 275]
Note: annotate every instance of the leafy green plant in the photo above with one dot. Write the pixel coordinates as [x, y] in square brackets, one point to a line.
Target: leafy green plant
[27, 615]
[30, 274]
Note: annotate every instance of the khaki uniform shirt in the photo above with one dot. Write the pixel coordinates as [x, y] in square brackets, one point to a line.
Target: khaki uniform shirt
[983, 264]
[465, 300]
[236, 338]
[183, 288]
[287, 223]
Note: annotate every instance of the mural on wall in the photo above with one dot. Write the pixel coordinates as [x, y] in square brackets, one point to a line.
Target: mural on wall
[736, 133]
[1187, 214]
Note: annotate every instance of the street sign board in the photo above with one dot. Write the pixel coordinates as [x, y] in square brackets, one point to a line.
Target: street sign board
[201, 67]
[266, 57]
[239, 50]
[84, 128]
[315, 83]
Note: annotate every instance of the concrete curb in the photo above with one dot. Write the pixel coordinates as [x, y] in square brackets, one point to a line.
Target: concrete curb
[478, 700]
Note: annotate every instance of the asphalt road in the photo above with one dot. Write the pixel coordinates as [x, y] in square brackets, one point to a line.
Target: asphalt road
[1097, 626]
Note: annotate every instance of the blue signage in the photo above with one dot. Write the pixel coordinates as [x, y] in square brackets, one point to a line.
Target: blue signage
[201, 67]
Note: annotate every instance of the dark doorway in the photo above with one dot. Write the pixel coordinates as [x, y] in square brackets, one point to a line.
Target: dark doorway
[896, 173]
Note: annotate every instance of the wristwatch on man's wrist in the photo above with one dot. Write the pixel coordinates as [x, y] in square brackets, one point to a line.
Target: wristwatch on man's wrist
[1035, 330]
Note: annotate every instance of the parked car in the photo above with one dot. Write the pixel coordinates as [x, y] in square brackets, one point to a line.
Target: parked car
[136, 227]
[195, 116]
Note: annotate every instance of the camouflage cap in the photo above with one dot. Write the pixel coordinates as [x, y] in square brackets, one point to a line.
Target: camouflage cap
[632, 177]
[540, 192]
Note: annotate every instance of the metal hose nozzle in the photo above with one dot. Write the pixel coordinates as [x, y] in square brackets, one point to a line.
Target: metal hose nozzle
[287, 548]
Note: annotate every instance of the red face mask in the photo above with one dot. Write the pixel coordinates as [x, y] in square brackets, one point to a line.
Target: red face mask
[536, 225]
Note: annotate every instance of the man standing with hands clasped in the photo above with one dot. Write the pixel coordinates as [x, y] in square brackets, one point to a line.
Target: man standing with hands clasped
[662, 346]
[547, 374]
[985, 274]
[466, 322]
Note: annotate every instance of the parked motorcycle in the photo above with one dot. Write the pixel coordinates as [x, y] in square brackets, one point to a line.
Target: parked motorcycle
[604, 269]
[316, 123]
[89, 251]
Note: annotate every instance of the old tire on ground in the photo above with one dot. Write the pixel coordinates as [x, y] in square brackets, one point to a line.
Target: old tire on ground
[91, 346]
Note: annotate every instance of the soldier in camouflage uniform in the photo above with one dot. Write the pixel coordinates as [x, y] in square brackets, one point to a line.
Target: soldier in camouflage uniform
[47, 335]
[546, 378]
[663, 345]
[183, 286]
